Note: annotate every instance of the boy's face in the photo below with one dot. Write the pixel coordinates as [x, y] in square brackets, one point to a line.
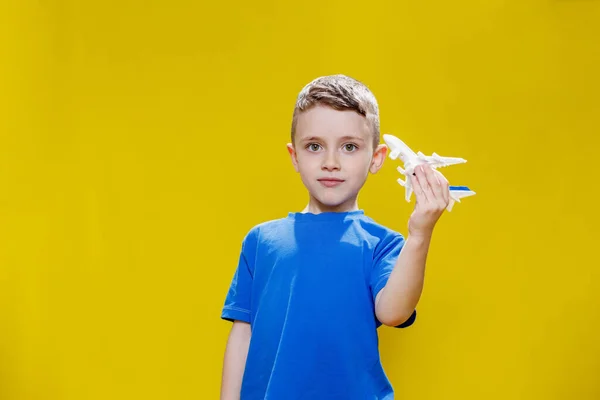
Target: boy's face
[333, 152]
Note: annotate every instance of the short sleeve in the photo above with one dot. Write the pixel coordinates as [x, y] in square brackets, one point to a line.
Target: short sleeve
[238, 300]
[384, 260]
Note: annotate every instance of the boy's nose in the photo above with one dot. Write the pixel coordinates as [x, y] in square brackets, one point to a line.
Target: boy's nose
[331, 163]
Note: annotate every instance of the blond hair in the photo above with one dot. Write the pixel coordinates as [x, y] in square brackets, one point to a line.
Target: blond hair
[339, 92]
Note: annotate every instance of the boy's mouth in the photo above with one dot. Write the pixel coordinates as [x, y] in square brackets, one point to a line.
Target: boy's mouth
[330, 182]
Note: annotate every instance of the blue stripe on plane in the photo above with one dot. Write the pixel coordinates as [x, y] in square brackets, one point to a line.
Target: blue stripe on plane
[459, 188]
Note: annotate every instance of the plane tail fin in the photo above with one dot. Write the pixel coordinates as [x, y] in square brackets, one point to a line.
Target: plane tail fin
[457, 193]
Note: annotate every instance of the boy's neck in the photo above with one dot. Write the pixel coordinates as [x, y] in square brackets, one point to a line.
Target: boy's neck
[316, 207]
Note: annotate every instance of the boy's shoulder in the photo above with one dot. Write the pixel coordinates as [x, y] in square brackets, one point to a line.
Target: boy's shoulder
[253, 234]
[267, 225]
[381, 230]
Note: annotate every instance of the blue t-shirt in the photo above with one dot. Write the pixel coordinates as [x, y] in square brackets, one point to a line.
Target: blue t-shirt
[307, 285]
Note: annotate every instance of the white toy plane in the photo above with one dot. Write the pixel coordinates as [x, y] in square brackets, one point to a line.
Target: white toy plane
[412, 159]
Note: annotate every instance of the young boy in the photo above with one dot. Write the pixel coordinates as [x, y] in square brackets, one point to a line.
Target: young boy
[311, 289]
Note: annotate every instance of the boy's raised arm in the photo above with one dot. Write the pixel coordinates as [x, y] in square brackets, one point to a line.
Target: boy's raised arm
[396, 302]
[235, 360]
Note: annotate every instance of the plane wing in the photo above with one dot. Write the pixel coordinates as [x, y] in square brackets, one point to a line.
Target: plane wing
[407, 185]
[437, 161]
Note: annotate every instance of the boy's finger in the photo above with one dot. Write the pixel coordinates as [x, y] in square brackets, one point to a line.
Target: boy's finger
[434, 183]
[446, 191]
[422, 178]
[444, 184]
[418, 190]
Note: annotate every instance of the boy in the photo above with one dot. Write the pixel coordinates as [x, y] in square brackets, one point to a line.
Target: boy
[311, 289]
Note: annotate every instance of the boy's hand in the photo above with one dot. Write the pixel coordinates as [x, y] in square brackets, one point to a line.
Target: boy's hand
[432, 194]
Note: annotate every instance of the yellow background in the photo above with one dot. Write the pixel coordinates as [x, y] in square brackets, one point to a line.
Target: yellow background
[140, 140]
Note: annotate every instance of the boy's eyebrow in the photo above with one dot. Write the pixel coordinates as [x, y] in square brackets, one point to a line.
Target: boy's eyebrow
[357, 138]
[316, 138]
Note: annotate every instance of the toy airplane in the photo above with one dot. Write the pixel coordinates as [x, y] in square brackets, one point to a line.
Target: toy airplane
[412, 159]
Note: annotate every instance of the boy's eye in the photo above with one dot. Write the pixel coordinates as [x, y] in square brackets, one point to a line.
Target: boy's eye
[313, 147]
[350, 147]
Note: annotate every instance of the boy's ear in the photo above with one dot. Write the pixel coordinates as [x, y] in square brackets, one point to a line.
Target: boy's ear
[378, 158]
[293, 155]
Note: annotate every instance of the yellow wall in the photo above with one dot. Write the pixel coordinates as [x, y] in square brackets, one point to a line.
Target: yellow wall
[140, 140]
